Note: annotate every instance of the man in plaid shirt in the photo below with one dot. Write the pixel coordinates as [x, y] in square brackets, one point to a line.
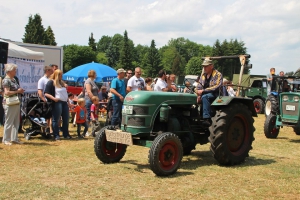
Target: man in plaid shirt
[208, 88]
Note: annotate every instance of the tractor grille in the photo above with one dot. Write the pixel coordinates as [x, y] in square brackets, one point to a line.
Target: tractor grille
[135, 121]
[140, 110]
[290, 112]
[123, 119]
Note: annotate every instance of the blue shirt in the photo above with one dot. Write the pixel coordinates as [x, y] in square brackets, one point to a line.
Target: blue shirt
[119, 86]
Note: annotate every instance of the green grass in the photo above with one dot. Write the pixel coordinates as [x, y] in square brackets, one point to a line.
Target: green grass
[69, 169]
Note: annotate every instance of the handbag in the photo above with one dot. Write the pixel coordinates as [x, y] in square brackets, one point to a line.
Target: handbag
[12, 100]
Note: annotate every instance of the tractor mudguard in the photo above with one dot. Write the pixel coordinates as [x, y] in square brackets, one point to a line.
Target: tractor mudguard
[226, 100]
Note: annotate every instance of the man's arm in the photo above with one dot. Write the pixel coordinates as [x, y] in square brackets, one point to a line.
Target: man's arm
[112, 90]
[41, 95]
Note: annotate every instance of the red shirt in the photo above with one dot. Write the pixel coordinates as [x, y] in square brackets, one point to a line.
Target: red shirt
[94, 111]
[80, 114]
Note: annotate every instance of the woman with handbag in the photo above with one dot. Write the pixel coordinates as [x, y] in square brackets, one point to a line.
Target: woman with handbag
[11, 105]
[56, 92]
[90, 90]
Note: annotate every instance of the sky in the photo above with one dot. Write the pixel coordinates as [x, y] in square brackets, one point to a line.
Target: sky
[270, 29]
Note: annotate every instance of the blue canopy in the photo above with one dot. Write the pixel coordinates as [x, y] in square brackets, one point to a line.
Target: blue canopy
[80, 73]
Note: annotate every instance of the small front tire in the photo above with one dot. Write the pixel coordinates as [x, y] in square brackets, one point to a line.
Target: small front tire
[108, 152]
[165, 154]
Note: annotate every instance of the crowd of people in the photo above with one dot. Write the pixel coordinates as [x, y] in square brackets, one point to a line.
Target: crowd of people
[52, 90]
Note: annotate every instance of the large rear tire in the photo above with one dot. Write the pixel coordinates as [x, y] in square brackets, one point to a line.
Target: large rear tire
[108, 152]
[259, 106]
[297, 130]
[271, 105]
[165, 154]
[270, 129]
[231, 134]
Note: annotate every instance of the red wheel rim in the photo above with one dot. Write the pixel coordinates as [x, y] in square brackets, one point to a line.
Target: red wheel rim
[257, 106]
[274, 130]
[168, 155]
[112, 150]
[238, 135]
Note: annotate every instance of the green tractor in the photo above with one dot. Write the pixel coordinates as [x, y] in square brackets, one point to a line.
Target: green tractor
[255, 87]
[284, 109]
[170, 124]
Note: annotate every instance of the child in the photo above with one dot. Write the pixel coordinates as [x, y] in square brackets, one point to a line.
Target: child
[71, 104]
[94, 115]
[81, 112]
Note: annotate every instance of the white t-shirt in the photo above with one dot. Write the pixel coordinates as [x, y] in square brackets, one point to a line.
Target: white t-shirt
[160, 85]
[42, 84]
[61, 93]
[136, 83]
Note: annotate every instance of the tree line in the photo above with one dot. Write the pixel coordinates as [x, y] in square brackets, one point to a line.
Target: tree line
[179, 56]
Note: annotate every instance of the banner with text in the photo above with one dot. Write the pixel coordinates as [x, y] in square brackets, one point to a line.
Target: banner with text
[29, 72]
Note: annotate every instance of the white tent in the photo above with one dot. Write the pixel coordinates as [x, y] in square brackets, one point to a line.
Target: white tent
[16, 51]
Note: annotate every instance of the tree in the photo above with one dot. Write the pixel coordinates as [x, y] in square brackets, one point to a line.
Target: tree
[194, 66]
[35, 31]
[126, 52]
[50, 38]
[113, 51]
[152, 62]
[75, 55]
[172, 61]
[104, 43]
[92, 43]
[101, 58]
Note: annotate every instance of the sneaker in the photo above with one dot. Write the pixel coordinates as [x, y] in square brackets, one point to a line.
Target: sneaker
[68, 137]
[7, 143]
[17, 142]
[57, 138]
[87, 134]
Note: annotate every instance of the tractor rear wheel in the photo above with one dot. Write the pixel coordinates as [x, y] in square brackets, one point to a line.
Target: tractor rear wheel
[259, 106]
[231, 134]
[270, 129]
[271, 105]
[297, 130]
[165, 154]
[108, 152]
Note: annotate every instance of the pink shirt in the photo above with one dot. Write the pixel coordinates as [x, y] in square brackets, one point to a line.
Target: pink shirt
[94, 111]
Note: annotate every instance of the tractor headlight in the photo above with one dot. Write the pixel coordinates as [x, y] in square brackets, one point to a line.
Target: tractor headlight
[296, 98]
[285, 98]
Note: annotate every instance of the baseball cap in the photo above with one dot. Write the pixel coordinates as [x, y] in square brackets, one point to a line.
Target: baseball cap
[120, 71]
[207, 62]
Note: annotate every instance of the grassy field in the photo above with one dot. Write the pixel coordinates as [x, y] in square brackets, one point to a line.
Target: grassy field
[69, 169]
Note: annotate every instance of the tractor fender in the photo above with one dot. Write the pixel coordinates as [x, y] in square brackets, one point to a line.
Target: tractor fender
[226, 100]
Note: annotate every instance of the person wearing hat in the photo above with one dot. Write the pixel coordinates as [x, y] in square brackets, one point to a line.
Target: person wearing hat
[118, 91]
[208, 88]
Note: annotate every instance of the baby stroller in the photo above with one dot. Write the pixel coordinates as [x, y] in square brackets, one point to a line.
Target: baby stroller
[34, 122]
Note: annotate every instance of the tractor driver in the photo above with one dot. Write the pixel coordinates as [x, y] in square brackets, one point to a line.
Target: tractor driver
[208, 88]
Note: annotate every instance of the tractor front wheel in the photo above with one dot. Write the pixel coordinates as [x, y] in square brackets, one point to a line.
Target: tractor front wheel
[259, 106]
[165, 154]
[270, 129]
[108, 152]
[231, 134]
[271, 105]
